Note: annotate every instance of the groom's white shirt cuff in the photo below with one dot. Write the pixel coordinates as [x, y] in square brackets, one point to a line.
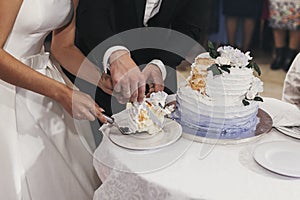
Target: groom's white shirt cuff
[161, 67]
[108, 53]
[113, 49]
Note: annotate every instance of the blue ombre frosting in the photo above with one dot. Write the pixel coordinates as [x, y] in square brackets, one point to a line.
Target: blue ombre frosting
[213, 127]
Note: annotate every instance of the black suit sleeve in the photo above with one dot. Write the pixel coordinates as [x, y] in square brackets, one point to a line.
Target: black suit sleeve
[94, 24]
[192, 18]
[94, 21]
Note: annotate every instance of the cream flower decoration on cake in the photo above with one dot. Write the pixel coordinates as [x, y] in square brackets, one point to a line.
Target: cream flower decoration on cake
[236, 57]
[256, 88]
[227, 57]
[222, 61]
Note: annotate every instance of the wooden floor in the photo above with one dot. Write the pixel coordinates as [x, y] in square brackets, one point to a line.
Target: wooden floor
[273, 80]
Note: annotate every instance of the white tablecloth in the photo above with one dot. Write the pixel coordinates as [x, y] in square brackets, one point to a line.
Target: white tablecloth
[191, 170]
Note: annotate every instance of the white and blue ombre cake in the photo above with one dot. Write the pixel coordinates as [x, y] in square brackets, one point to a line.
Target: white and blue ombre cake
[220, 97]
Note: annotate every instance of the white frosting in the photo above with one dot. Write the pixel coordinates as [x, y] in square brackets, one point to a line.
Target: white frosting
[149, 115]
[233, 85]
[219, 96]
[139, 119]
[230, 88]
[192, 100]
[158, 98]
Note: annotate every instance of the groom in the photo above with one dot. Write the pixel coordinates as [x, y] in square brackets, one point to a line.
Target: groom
[98, 20]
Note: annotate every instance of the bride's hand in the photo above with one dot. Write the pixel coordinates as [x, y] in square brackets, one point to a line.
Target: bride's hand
[81, 106]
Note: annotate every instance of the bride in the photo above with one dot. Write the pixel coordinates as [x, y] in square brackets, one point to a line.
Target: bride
[45, 140]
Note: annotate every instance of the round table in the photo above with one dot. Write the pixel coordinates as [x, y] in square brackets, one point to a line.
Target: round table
[191, 170]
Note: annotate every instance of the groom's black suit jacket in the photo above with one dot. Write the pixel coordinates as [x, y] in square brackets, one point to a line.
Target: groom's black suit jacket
[98, 20]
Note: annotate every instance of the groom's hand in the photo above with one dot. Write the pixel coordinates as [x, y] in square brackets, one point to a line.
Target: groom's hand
[128, 81]
[153, 78]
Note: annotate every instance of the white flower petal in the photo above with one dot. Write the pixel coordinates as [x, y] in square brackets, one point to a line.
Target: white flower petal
[250, 95]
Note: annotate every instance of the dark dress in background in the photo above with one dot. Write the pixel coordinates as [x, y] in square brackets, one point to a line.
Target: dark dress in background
[242, 8]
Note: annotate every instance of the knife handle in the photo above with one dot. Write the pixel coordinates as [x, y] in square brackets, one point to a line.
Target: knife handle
[109, 119]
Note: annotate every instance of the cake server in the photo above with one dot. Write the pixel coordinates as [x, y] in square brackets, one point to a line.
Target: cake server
[124, 130]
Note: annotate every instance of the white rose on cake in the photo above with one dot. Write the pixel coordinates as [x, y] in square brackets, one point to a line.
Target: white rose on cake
[235, 56]
[256, 88]
[222, 61]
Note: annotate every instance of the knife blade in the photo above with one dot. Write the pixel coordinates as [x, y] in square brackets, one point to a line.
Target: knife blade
[152, 116]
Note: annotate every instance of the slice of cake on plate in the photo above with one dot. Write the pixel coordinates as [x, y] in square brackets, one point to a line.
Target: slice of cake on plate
[149, 115]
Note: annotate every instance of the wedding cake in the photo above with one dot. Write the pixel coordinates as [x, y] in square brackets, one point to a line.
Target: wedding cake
[220, 97]
[149, 115]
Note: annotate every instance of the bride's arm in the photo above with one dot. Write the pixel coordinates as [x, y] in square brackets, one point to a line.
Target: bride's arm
[73, 60]
[12, 70]
[15, 72]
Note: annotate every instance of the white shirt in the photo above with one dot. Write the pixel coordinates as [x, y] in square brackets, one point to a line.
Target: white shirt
[152, 8]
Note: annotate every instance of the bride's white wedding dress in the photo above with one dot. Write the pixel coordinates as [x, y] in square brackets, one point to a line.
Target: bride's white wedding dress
[44, 153]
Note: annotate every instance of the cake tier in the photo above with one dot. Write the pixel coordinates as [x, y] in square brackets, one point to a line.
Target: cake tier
[200, 115]
[224, 86]
[227, 107]
[220, 133]
[211, 102]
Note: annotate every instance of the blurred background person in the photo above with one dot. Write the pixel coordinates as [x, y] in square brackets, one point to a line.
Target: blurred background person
[285, 21]
[291, 87]
[217, 28]
[247, 12]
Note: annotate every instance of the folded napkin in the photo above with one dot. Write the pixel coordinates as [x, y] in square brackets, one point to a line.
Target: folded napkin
[282, 113]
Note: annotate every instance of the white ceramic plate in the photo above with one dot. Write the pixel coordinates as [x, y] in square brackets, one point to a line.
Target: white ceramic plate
[290, 131]
[171, 133]
[282, 157]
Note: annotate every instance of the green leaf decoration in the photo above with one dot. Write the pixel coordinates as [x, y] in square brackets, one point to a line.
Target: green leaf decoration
[255, 66]
[215, 69]
[258, 99]
[249, 65]
[225, 68]
[257, 69]
[210, 45]
[214, 54]
[245, 102]
[212, 51]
